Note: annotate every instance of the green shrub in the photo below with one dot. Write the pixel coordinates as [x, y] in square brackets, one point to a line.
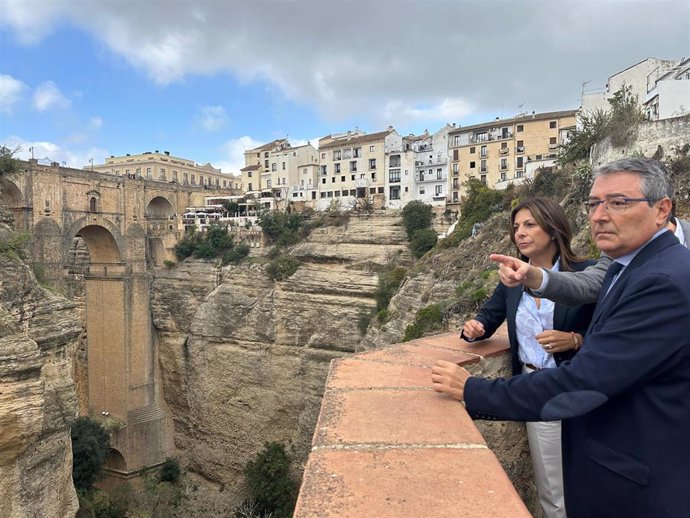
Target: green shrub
[269, 481]
[422, 241]
[235, 255]
[389, 282]
[281, 228]
[416, 216]
[90, 448]
[13, 244]
[282, 267]
[427, 319]
[168, 264]
[382, 316]
[170, 471]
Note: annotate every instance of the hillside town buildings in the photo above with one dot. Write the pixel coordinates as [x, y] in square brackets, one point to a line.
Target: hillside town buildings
[386, 169]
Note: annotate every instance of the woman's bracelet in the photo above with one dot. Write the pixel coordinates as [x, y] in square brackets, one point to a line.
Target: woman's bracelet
[576, 340]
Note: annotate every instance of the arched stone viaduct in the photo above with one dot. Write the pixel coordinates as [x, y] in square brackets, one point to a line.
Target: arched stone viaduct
[126, 224]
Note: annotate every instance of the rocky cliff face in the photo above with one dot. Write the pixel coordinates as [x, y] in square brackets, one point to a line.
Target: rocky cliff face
[244, 359]
[38, 334]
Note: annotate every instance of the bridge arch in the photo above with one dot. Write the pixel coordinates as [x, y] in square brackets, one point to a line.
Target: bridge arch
[159, 207]
[13, 199]
[115, 461]
[102, 239]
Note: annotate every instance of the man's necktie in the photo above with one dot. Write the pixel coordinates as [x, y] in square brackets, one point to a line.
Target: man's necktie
[611, 273]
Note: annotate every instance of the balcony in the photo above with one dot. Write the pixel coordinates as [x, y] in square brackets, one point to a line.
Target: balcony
[553, 146]
[520, 149]
[386, 445]
[504, 150]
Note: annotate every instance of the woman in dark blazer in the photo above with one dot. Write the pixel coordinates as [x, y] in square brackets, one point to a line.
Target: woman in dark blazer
[541, 334]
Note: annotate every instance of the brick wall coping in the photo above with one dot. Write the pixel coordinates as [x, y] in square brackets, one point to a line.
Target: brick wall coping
[387, 446]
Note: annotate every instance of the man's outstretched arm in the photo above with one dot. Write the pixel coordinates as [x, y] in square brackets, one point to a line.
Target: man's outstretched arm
[567, 288]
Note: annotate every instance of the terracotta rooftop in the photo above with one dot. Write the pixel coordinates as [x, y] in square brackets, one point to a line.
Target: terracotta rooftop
[349, 141]
[387, 446]
[514, 120]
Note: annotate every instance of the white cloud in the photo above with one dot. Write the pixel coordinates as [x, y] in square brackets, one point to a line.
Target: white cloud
[213, 118]
[11, 90]
[363, 60]
[47, 152]
[48, 96]
[233, 152]
[95, 122]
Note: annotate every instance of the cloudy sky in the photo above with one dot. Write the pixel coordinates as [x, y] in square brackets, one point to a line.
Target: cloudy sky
[206, 79]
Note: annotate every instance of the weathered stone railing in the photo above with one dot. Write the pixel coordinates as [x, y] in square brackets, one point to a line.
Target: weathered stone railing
[387, 445]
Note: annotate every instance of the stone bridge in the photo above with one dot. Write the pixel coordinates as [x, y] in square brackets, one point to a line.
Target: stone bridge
[95, 235]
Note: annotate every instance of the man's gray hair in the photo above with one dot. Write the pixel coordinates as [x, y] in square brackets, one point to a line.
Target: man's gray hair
[656, 180]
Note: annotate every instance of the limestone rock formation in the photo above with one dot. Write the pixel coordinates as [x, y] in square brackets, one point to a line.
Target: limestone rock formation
[38, 333]
[244, 359]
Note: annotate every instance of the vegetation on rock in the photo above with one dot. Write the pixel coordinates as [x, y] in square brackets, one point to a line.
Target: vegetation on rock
[417, 217]
[90, 448]
[213, 244]
[282, 267]
[269, 481]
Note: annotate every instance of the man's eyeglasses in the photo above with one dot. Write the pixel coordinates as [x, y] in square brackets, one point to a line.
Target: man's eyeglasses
[611, 204]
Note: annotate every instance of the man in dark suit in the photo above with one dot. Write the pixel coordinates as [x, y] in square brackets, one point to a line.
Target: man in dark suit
[625, 397]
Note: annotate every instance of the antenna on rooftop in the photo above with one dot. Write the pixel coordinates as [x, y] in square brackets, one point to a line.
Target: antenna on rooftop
[584, 84]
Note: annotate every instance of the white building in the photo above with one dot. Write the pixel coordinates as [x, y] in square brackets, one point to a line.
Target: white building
[668, 92]
[635, 76]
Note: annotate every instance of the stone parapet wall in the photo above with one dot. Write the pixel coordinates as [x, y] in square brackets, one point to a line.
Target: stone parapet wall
[387, 445]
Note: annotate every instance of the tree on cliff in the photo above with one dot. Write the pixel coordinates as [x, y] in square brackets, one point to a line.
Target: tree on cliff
[90, 448]
[8, 164]
[268, 477]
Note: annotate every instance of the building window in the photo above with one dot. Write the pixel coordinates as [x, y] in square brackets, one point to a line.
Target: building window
[274, 166]
[482, 166]
[504, 163]
[323, 194]
[265, 154]
[342, 178]
[92, 204]
[283, 166]
[482, 178]
[185, 177]
[336, 155]
[174, 176]
[265, 164]
[456, 140]
[333, 180]
[372, 163]
[481, 137]
[439, 174]
[439, 190]
[324, 170]
[518, 174]
[456, 183]
[473, 165]
[482, 152]
[520, 161]
[473, 150]
[323, 157]
[503, 177]
[373, 177]
[394, 161]
[395, 193]
[455, 154]
[148, 173]
[455, 196]
[421, 190]
[162, 176]
[520, 127]
[552, 140]
[394, 176]
[455, 168]
[352, 177]
[356, 152]
[372, 149]
[323, 180]
[337, 168]
[552, 125]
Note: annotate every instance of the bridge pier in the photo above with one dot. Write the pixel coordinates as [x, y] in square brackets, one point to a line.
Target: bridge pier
[123, 382]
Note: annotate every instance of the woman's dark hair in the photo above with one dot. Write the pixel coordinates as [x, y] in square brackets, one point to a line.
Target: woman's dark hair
[551, 217]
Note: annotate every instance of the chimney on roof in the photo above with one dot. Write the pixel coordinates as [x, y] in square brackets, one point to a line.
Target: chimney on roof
[167, 152]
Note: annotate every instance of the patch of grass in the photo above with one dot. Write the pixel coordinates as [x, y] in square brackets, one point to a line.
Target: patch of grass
[13, 244]
[427, 319]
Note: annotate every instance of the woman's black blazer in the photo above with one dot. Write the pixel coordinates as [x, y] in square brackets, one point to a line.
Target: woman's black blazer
[503, 305]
